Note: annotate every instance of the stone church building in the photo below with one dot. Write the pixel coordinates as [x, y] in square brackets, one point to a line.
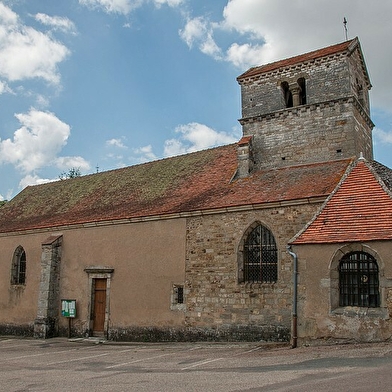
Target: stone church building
[285, 235]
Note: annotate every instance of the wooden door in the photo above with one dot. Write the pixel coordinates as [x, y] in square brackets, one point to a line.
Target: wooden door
[99, 307]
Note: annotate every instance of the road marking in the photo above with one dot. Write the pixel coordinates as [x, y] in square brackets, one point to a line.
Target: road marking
[37, 355]
[246, 352]
[76, 359]
[219, 359]
[138, 360]
[202, 363]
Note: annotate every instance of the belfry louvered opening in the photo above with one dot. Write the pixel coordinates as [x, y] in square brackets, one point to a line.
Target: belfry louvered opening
[260, 256]
[358, 280]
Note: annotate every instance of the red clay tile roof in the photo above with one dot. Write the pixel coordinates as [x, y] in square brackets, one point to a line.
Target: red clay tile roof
[298, 59]
[359, 210]
[245, 140]
[192, 182]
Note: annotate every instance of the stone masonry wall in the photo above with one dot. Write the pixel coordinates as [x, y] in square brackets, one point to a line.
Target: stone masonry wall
[359, 86]
[333, 123]
[215, 300]
[326, 79]
[312, 133]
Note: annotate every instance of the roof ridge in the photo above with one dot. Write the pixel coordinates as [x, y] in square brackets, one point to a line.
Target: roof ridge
[136, 165]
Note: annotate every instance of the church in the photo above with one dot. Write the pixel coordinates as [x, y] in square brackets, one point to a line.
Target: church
[284, 236]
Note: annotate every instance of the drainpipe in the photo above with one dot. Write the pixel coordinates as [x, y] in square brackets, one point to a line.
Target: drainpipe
[295, 295]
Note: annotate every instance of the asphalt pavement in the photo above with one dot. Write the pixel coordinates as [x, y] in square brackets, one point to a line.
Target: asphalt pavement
[92, 365]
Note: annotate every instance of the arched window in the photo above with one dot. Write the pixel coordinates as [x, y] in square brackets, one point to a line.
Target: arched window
[18, 273]
[287, 95]
[294, 94]
[260, 262]
[302, 91]
[358, 280]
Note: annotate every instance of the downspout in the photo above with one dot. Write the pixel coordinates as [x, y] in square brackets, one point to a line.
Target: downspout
[295, 296]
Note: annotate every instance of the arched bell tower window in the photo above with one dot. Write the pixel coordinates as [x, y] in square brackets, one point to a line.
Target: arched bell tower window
[18, 271]
[302, 91]
[287, 95]
[260, 256]
[358, 280]
[294, 94]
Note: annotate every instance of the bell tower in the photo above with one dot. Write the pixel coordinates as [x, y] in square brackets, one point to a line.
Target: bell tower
[310, 108]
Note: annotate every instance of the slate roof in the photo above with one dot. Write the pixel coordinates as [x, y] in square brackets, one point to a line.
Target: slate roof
[189, 183]
[310, 56]
[360, 209]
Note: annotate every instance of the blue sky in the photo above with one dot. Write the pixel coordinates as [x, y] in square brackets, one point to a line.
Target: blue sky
[101, 84]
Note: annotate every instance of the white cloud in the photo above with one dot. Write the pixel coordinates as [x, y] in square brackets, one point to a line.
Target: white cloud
[191, 137]
[113, 6]
[8, 195]
[246, 55]
[7, 16]
[170, 3]
[57, 23]
[145, 153]
[199, 31]
[26, 53]
[115, 143]
[126, 6]
[66, 163]
[36, 143]
[261, 33]
[4, 88]
[382, 136]
[173, 147]
[29, 180]
[194, 30]
[195, 137]
[41, 101]
[301, 28]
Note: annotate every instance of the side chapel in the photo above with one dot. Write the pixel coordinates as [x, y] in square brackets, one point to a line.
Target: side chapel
[285, 235]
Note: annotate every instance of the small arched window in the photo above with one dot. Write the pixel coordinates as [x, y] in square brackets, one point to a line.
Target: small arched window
[18, 272]
[260, 262]
[302, 91]
[287, 95]
[358, 280]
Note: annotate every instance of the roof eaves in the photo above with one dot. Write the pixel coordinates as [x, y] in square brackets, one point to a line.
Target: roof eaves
[355, 44]
[291, 61]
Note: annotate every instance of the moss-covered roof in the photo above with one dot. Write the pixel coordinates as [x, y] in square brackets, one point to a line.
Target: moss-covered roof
[191, 182]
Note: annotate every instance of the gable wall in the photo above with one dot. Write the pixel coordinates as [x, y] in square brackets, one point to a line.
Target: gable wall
[319, 316]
